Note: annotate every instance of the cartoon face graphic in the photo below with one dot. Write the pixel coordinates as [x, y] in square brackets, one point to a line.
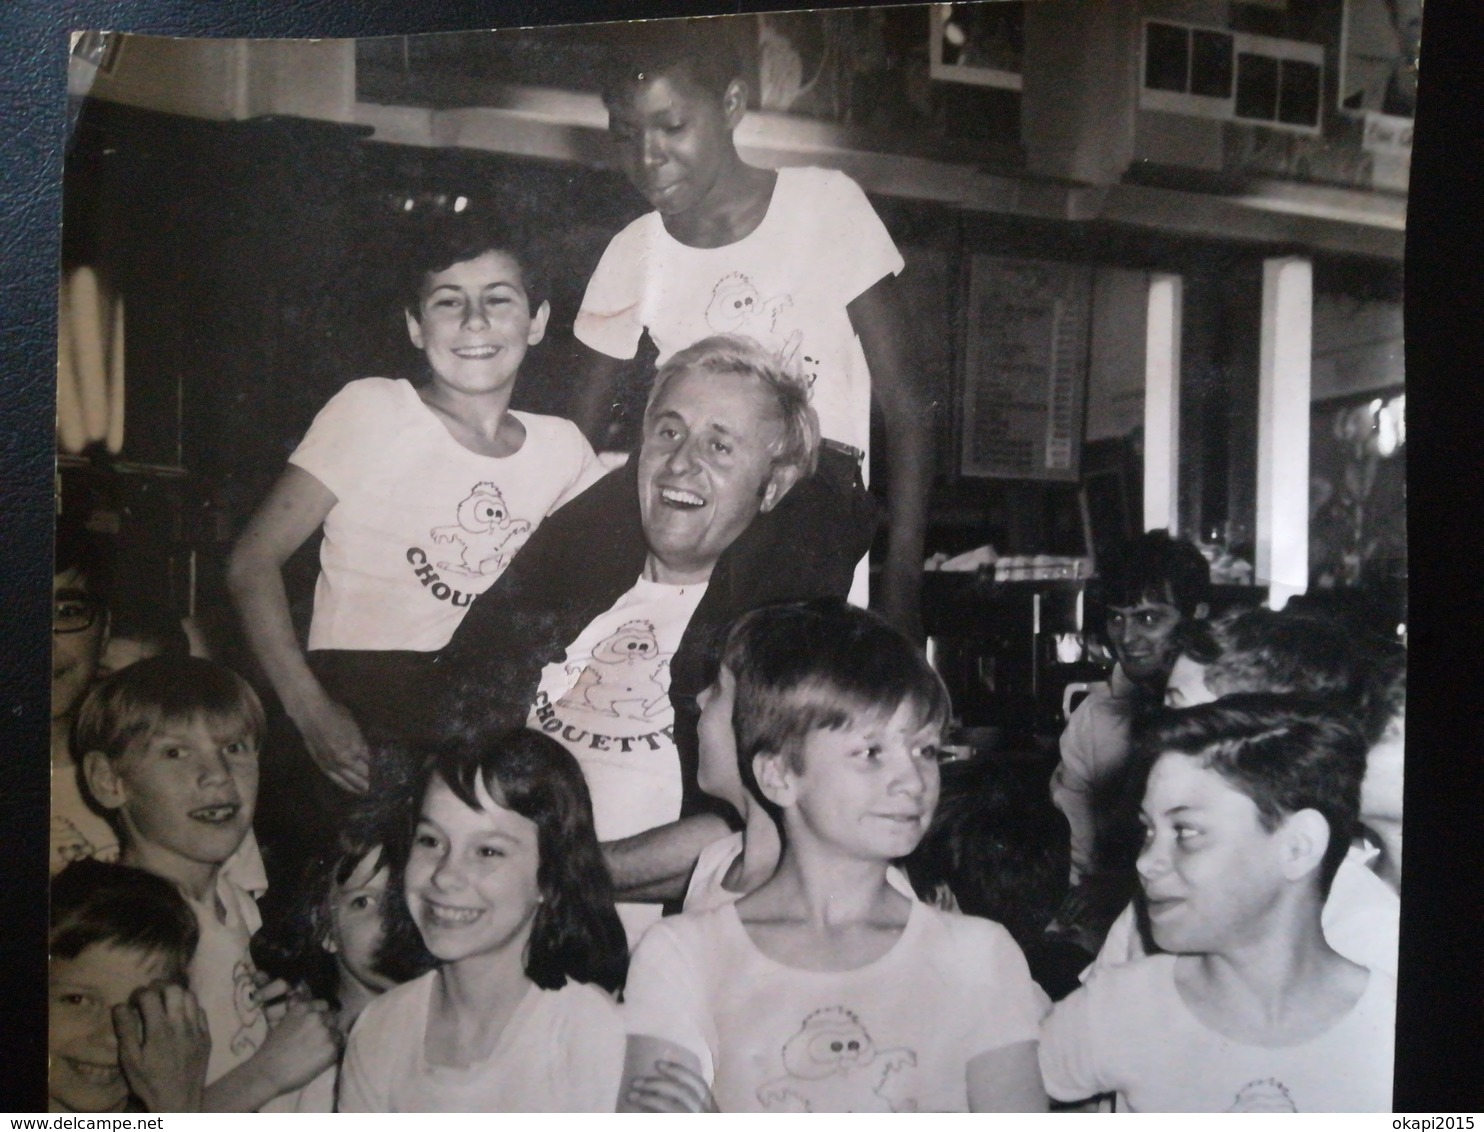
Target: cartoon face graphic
[484, 510]
[831, 1041]
[485, 533]
[1268, 1095]
[832, 1065]
[634, 643]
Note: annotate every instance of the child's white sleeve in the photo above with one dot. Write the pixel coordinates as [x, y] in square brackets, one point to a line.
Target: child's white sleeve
[610, 319]
[351, 432]
[664, 996]
[1070, 1061]
[861, 250]
[578, 455]
[997, 987]
[361, 1087]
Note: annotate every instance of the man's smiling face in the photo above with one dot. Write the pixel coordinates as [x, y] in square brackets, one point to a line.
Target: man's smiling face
[705, 469]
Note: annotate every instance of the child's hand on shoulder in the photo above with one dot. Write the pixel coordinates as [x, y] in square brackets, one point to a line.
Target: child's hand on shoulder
[674, 1089]
[164, 1046]
[301, 1045]
[335, 743]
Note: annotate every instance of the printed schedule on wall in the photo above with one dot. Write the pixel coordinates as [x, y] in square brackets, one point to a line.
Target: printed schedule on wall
[1025, 369]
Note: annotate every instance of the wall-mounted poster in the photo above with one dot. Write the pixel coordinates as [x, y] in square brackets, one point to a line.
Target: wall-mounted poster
[1025, 369]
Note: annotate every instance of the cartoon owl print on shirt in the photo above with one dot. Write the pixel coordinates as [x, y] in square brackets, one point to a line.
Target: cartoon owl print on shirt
[738, 307]
[626, 668]
[832, 1065]
[486, 536]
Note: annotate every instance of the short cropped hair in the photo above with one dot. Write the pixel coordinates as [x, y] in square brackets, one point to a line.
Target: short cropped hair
[576, 932]
[1287, 753]
[160, 690]
[443, 241]
[703, 51]
[733, 353]
[1262, 650]
[818, 666]
[97, 903]
[1157, 568]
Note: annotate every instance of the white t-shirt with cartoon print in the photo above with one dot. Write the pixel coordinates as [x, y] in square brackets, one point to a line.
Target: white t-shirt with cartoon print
[608, 702]
[1129, 1032]
[222, 974]
[421, 525]
[561, 1051]
[786, 285]
[896, 1035]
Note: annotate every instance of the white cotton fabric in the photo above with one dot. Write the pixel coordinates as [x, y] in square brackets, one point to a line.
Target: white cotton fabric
[561, 1051]
[895, 1035]
[222, 974]
[1129, 1032]
[786, 284]
[608, 702]
[1094, 744]
[421, 525]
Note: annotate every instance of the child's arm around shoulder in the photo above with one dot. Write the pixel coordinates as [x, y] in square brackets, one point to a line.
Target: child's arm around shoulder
[1072, 1043]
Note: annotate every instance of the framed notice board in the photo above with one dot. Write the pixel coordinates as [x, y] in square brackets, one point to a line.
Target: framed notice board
[1025, 369]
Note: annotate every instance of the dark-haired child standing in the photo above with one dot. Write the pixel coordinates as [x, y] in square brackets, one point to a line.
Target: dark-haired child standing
[425, 492]
[1247, 814]
[796, 259]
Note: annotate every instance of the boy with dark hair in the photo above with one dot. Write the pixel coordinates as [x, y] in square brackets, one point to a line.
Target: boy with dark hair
[123, 1031]
[796, 259]
[1151, 586]
[169, 748]
[829, 989]
[425, 490]
[1248, 811]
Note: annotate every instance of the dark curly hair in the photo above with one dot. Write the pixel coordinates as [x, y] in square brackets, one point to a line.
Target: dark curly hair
[1285, 752]
[576, 933]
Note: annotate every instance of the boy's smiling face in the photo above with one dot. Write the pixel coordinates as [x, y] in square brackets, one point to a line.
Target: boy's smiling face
[1210, 871]
[476, 323]
[84, 1073]
[187, 790]
[867, 789]
[674, 139]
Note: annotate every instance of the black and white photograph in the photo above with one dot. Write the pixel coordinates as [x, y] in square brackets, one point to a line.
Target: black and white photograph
[848, 560]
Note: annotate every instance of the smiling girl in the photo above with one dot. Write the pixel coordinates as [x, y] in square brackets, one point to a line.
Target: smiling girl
[504, 882]
[425, 491]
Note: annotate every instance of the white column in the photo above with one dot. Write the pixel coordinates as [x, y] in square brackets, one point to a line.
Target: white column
[1162, 405]
[1283, 428]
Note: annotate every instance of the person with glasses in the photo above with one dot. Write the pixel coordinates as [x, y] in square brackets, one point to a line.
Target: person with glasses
[79, 633]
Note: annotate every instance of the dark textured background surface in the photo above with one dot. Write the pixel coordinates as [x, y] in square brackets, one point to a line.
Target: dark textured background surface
[1442, 1006]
